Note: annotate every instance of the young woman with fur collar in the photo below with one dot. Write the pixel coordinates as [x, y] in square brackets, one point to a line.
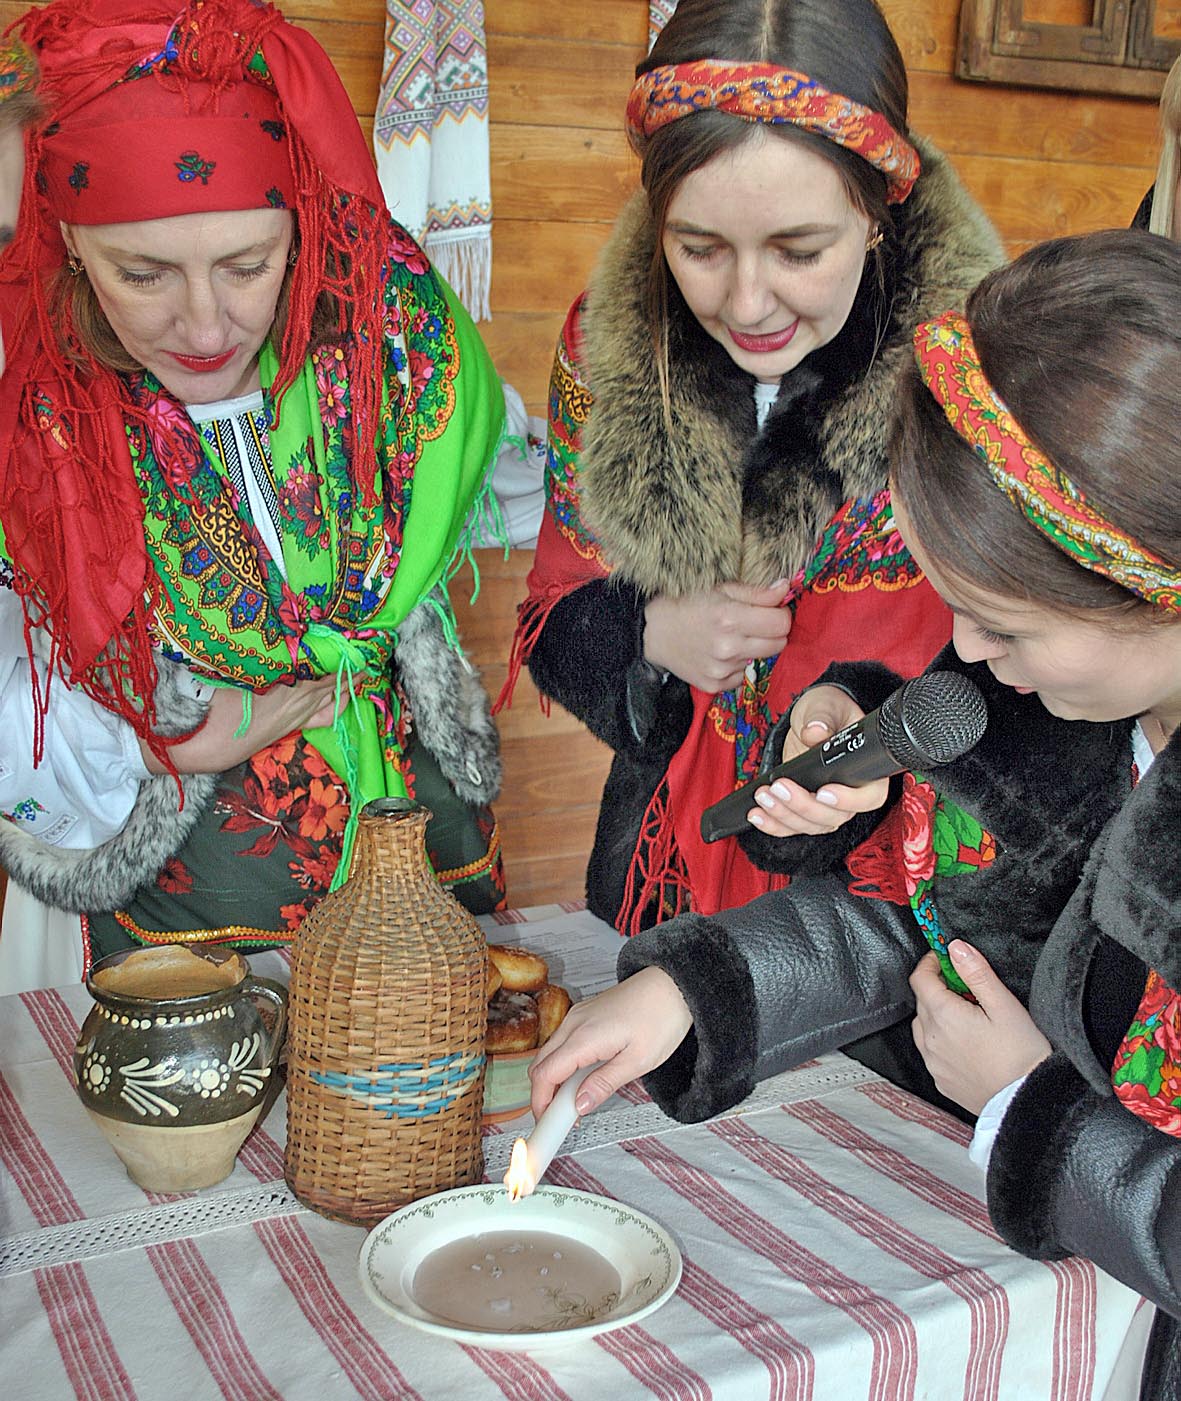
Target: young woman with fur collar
[718, 525]
[1037, 436]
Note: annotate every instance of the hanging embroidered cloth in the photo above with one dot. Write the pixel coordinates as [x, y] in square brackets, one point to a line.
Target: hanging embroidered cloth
[659, 14]
[430, 138]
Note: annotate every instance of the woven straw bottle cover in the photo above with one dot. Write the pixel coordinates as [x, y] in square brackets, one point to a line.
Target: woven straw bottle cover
[387, 1015]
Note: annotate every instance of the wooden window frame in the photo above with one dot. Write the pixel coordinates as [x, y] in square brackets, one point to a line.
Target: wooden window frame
[1118, 52]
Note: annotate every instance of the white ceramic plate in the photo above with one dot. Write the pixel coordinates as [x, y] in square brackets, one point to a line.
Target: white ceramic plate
[642, 1253]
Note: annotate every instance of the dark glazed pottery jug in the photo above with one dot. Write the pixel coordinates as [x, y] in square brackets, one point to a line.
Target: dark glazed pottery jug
[174, 1060]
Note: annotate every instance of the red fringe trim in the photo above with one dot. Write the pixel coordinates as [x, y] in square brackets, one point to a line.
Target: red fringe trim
[532, 616]
[657, 873]
[876, 865]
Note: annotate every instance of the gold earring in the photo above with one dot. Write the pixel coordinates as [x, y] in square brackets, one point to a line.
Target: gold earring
[874, 240]
[75, 266]
[293, 257]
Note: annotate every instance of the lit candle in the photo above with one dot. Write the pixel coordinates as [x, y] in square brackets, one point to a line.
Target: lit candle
[531, 1156]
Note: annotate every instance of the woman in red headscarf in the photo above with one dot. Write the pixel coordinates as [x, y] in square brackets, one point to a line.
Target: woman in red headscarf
[244, 430]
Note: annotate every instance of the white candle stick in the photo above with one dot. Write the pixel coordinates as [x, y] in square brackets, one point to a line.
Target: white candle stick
[533, 1155]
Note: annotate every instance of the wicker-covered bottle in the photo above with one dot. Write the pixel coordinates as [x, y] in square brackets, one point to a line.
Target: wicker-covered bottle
[387, 1013]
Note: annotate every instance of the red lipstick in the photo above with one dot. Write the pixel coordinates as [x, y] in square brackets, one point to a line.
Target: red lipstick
[204, 364]
[763, 345]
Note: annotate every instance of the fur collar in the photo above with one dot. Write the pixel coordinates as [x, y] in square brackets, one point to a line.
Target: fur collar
[1129, 893]
[452, 721]
[718, 501]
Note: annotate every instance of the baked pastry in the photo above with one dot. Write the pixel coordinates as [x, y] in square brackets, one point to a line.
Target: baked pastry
[513, 1023]
[521, 970]
[552, 1005]
[494, 979]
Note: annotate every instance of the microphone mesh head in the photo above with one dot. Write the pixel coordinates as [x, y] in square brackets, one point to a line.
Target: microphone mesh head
[933, 719]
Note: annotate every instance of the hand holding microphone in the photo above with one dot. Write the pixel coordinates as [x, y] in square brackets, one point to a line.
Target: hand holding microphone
[930, 720]
[786, 809]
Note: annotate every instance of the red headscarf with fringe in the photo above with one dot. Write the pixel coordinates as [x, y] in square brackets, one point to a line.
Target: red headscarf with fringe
[264, 122]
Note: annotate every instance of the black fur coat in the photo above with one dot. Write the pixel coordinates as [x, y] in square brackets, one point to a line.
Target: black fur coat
[723, 501]
[1083, 897]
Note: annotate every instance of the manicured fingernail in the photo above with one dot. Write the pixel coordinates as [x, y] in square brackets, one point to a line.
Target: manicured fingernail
[827, 798]
[961, 952]
[583, 1103]
[780, 584]
[764, 799]
[756, 819]
[781, 791]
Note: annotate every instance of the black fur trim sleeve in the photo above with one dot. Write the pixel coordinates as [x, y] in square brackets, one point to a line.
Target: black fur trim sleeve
[815, 855]
[710, 1072]
[1074, 1172]
[769, 984]
[588, 658]
[869, 683]
[1022, 1169]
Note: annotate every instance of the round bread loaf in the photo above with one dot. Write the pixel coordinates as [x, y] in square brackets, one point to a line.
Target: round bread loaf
[513, 1023]
[521, 970]
[552, 1005]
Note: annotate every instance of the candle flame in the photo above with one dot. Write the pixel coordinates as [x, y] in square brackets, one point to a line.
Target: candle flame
[518, 1179]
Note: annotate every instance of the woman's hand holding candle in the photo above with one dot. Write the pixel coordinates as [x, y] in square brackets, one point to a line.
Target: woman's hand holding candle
[627, 1030]
[532, 1155]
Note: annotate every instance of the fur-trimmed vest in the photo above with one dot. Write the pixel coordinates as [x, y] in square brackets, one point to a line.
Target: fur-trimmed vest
[451, 718]
[716, 501]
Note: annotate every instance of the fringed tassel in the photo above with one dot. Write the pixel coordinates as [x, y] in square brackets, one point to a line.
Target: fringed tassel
[465, 260]
[657, 874]
[876, 865]
[532, 616]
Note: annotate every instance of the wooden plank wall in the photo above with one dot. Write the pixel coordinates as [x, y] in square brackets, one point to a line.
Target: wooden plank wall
[1042, 163]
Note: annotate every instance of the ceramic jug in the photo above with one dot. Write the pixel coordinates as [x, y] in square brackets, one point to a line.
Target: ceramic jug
[174, 1060]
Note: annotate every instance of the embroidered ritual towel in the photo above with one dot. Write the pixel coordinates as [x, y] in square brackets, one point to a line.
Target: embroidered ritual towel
[659, 14]
[430, 138]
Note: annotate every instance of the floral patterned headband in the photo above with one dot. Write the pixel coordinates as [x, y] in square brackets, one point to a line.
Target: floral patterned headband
[764, 92]
[1045, 495]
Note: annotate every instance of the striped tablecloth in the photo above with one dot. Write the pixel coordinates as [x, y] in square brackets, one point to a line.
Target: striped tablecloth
[835, 1240]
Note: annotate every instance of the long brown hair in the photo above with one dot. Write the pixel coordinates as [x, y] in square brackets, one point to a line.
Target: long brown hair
[845, 45]
[1081, 337]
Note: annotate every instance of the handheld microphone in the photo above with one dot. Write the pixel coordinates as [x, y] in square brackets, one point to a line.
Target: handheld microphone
[932, 719]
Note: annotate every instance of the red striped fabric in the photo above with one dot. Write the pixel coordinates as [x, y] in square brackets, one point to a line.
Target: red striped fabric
[202, 1307]
[363, 1360]
[87, 1352]
[892, 1372]
[262, 1156]
[1075, 1340]
[924, 1184]
[916, 1111]
[519, 1377]
[31, 1168]
[654, 1365]
[988, 1306]
[791, 1368]
[1074, 1329]
[57, 1024]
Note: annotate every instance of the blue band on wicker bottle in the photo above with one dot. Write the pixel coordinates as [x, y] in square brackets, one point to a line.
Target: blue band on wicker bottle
[409, 1090]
